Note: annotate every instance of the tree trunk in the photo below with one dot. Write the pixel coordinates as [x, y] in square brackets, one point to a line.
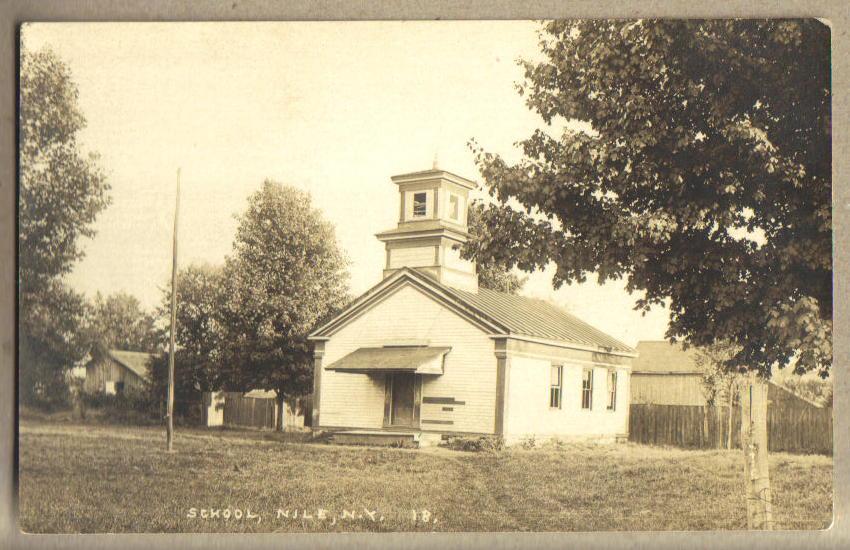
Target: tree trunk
[754, 445]
[279, 400]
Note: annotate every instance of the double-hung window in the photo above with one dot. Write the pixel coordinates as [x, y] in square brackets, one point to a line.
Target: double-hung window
[612, 390]
[587, 389]
[555, 373]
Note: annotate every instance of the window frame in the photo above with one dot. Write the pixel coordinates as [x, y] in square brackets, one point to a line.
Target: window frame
[413, 214]
[587, 389]
[556, 391]
[457, 200]
[612, 389]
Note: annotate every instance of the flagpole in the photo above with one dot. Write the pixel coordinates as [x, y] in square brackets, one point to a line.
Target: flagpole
[170, 413]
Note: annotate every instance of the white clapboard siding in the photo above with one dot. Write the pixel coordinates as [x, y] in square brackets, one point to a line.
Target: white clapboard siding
[412, 257]
[357, 400]
[453, 260]
[528, 402]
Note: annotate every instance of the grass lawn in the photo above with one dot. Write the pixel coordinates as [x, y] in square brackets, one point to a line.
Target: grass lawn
[93, 478]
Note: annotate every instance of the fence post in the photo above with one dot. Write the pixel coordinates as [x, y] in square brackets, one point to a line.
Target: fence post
[754, 444]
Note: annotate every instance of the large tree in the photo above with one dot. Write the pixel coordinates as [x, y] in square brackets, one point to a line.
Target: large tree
[199, 333]
[705, 179]
[702, 175]
[490, 274]
[118, 321]
[61, 192]
[286, 273]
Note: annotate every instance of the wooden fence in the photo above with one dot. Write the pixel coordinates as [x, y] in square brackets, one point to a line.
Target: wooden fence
[790, 429]
[260, 412]
[248, 411]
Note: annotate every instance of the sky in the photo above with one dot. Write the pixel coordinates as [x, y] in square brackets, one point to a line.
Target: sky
[333, 108]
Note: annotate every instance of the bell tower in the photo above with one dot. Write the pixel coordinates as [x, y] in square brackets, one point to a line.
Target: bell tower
[431, 228]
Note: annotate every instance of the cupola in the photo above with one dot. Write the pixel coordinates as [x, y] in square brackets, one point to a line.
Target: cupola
[431, 228]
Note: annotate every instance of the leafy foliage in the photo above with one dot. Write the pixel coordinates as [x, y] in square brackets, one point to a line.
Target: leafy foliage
[61, 192]
[119, 322]
[199, 337]
[286, 274]
[704, 178]
[476, 444]
[718, 381]
[490, 274]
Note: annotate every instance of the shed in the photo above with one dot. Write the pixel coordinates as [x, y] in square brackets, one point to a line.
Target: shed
[117, 371]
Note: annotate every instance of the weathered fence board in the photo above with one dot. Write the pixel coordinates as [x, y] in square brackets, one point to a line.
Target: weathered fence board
[790, 428]
[248, 411]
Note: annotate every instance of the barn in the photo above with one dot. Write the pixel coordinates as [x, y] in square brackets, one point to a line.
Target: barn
[667, 374]
[425, 354]
[117, 371]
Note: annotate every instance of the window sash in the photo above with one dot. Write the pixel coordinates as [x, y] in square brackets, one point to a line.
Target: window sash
[420, 207]
[612, 390]
[587, 389]
[555, 375]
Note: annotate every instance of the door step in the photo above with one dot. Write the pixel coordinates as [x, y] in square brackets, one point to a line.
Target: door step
[376, 438]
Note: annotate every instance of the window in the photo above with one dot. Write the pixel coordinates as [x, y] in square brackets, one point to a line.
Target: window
[612, 390]
[555, 387]
[454, 207]
[587, 389]
[420, 205]
[119, 388]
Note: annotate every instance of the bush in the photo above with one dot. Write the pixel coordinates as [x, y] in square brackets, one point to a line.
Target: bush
[528, 443]
[484, 443]
[128, 407]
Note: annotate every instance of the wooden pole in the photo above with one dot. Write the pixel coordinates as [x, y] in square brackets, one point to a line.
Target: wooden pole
[754, 445]
[170, 413]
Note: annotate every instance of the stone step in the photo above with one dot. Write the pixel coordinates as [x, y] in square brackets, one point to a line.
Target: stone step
[376, 438]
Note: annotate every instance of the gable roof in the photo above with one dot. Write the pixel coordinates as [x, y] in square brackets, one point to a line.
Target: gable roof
[135, 361]
[662, 357]
[497, 312]
[538, 318]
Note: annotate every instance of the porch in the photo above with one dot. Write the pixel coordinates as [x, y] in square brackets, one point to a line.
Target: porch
[400, 371]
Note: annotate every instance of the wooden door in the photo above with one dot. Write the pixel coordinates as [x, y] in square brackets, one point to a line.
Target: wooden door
[402, 397]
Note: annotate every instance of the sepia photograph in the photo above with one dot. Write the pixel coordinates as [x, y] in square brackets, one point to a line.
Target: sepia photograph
[567, 275]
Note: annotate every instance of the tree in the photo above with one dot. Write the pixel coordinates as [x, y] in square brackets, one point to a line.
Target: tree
[286, 274]
[719, 383]
[61, 192]
[199, 333]
[119, 322]
[490, 275]
[52, 338]
[704, 179]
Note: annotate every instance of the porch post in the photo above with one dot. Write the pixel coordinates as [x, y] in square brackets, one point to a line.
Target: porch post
[318, 354]
[503, 370]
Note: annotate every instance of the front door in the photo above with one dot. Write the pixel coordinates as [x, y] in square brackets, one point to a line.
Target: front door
[402, 398]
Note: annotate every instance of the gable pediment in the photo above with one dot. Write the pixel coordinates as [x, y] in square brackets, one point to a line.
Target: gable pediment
[406, 278]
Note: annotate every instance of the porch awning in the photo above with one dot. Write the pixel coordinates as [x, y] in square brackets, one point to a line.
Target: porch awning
[417, 359]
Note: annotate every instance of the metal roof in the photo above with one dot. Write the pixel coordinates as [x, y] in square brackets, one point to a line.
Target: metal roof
[419, 359]
[136, 361]
[662, 357]
[537, 318]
